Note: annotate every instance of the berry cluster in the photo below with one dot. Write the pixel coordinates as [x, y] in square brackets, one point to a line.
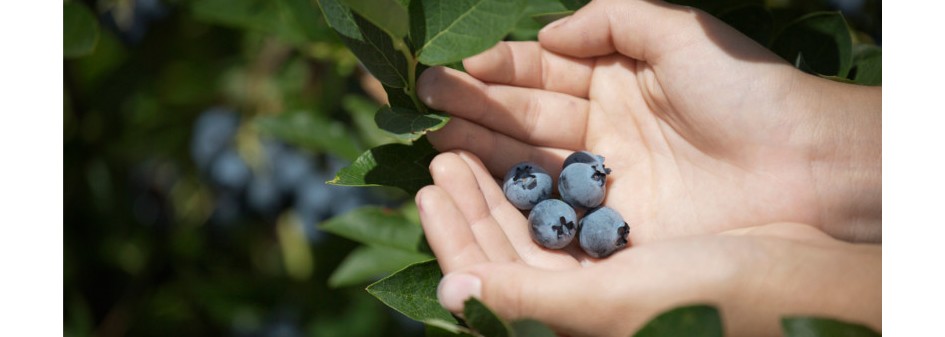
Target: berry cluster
[281, 178]
[553, 223]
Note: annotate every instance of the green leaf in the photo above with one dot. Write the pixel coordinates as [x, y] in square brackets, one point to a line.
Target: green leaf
[444, 328]
[377, 226]
[408, 124]
[388, 15]
[412, 292]
[373, 47]
[397, 165]
[531, 328]
[527, 27]
[362, 111]
[755, 21]
[868, 62]
[690, 321]
[825, 40]
[453, 30]
[574, 4]
[823, 327]
[80, 30]
[304, 15]
[367, 263]
[481, 319]
[306, 130]
[546, 18]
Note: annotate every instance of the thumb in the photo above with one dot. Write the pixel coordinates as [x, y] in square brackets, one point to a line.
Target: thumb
[516, 291]
[640, 29]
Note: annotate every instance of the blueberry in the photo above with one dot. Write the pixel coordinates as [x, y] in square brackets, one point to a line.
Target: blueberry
[213, 132]
[603, 232]
[290, 168]
[587, 158]
[228, 170]
[582, 185]
[263, 197]
[526, 184]
[552, 223]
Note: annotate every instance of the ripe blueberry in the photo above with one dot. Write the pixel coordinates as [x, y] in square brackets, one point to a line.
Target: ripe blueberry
[583, 185]
[552, 224]
[603, 232]
[526, 184]
[587, 158]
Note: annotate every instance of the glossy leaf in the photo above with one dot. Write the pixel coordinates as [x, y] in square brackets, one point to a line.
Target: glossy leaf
[531, 328]
[574, 4]
[306, 130]
[373, 47]
[483, 320]
[453, 30]
[367, 263]
[412, 292]
[690, 321]
[388, 15]
[823, 38]
[377, 226]
[397, 165]
[80, 30]
[444, 328]
[546, 18]
[868, 61]
[408, 124]
[823, 327]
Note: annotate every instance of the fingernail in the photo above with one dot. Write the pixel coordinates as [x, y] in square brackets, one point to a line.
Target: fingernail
[418, 199]
[555, 24]
[455, 289]
[426, 80]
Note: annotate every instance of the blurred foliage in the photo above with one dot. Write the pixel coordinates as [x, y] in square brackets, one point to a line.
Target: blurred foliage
[157, 244]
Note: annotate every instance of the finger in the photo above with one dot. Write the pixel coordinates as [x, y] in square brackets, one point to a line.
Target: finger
[512, 222]
[455, 177]
[447, 231]
[527, 64]
[785, 230]
[644, 30]
[517, 291]
[497, 151]
[533, 116]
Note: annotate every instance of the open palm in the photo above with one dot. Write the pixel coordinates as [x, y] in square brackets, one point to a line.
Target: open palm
[701, 132]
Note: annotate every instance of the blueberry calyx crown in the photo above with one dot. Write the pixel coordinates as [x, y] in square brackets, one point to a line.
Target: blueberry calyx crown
[524, 176]
[622, 232]
[559, 229]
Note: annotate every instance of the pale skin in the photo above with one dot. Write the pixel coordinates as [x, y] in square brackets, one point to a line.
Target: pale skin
[744, 180]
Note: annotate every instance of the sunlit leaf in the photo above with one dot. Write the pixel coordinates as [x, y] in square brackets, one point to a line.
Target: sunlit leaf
[373, 47]
[388, 15]
[397, 165]
[377, 226]
[412, 292]
[453, 30]
[367, 263]
[408, 124]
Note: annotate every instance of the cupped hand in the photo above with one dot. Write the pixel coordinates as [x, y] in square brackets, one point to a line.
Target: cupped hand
[705, 130]
[754, 275]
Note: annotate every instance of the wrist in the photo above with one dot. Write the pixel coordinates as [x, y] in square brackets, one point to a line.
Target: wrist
[830, 279]
[843, 133]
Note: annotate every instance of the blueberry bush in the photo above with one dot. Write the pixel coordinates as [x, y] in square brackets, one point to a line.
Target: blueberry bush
[213, 150]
